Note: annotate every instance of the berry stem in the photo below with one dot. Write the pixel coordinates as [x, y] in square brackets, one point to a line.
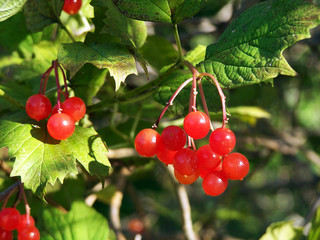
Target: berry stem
[204, 103]
[44, 80]
[25, 199]
[55, 63]
[65, 81]
[171, 101]
[7, 193]
[222, 96]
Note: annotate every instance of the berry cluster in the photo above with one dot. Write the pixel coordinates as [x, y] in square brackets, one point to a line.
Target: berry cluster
[72, 7]
[61, 123]
[213, 162]
[10, 219]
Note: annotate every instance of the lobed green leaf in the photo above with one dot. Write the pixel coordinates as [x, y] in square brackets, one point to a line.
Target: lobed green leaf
[39, 159]
[81, 222]
[9, 8]
[282, 230]
[250, 50]
[168, 11]
[116, 58]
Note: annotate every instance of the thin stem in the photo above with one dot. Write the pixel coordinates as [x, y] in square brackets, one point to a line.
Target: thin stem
[222, 96]
[57, 82]
[204, 103]
[175, 94]
[44, 77]
[7, 193]
[65, 81]
[27, 207]
[194, 92]
[135, 123]
[177, 38]
[184, 206]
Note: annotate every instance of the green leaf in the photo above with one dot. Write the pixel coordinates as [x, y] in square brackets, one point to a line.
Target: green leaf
[88, 81]
[9, 8]
[130, 32]
[314, 232]
[250, 50]
[168, 11]
[81, 222]
[40, 159]
[39, 13]
[159, 52]
[282, 230]
[114, 57]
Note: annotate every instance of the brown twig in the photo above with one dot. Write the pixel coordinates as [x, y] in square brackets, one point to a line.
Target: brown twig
[184, 205]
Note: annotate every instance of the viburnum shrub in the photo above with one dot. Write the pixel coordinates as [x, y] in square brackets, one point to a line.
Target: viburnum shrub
[11, 219]
[61, 123]
[188, 162]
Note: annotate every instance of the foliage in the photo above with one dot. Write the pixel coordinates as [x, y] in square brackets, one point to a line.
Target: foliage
[121, 59]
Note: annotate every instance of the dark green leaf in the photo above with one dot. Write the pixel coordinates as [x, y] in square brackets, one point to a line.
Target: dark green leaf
[81, 222]
[115, 58]
[88, 81]
[250, 50]
[9, 8]
[169, 11]
[282, 230]
[159, 52]
[130, 32]
[40, 14]
[40, 159]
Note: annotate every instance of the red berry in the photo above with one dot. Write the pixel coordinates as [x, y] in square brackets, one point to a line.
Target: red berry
[208, 160]
[235, 166]
[135, 226]
[185, 179]
[24, 222]
[147, 142]
[5, 235]
[60, 126]
[9, 219]
[185, 161]
[174, 138]
[38, 107]
[29, 233]
[164, 154]
[74, 107]
[196, 125]
[222, 141]
[72, 6]
[215, 183]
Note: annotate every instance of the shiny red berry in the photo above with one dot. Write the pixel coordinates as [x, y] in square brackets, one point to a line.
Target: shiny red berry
[29, 233]
[196, 124]
[164, 154]
[24, 222]
[208, 160]
[38, 107]
[9, 219]
[235, 166]
[222, 141]
[215, 183]
[72, 6]
[147, 142]
[185, 161]
[174, 138]
[5, 235]
[186, 179]
[74, 107]
[60, 126]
